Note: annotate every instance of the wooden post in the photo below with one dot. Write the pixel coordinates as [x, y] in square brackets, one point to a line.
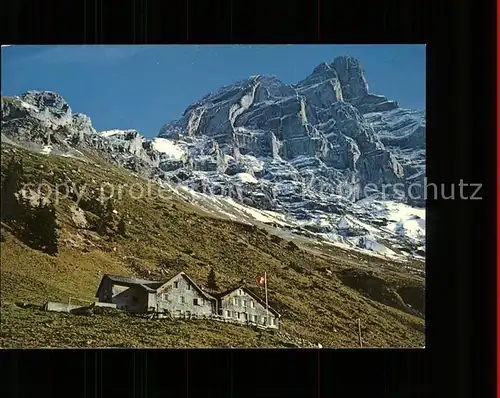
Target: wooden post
[359, 333]
[267, 307]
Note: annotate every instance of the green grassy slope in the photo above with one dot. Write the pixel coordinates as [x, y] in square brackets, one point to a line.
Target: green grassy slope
[320, 294]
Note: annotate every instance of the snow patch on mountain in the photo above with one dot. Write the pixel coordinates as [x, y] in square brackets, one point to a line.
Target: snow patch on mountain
[109, 133]
[46, 149]
[370, 243]
[406, 221]
[169, 148]
[242, 105]
[246, 177]
[28, 106]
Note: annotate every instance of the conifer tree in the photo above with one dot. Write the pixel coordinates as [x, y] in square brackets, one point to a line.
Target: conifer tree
[99, 209]
[122, 230]
[11, 208]
[43, 229]
[212, 282]
[29, 223]
[108, 216]
[49, 228]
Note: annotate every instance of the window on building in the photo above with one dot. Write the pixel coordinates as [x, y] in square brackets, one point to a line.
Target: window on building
[252, 303]
[240, 292]
[263, 320]
[271, 321]
[234, 314]
[176, 284]
[202, 301]
[195, 301]
[181, 299]
[188, 287]
[254, 318]
[245, 316]
[235, 301]
[244, 303]
[238, 315]
[164, 296]
[227, 314]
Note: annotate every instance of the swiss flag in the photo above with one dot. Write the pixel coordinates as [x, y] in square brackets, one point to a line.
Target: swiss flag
[261, 280]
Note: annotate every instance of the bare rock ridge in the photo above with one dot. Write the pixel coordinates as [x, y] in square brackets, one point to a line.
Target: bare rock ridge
[44, 121]
[300, 150]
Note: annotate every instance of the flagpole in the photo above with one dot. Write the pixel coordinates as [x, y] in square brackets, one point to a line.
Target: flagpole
[267, 307]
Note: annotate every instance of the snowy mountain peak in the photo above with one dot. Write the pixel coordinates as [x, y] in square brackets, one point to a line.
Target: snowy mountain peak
[308, 152]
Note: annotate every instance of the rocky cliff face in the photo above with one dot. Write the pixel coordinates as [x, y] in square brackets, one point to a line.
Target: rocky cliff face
[45, 122]
[307, 151]
[315, 128]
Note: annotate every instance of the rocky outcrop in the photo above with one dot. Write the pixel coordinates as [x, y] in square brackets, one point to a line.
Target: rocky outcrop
[44, 121]
[317, 121]
[403, 133]
[351, 77]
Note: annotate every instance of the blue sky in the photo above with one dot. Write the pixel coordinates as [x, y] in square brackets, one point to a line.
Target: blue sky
[143, 87]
